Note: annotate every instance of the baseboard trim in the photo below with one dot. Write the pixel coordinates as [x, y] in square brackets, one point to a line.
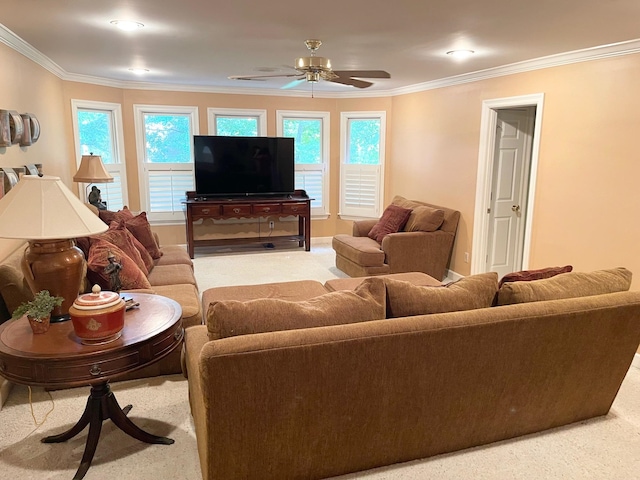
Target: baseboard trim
[453, 276]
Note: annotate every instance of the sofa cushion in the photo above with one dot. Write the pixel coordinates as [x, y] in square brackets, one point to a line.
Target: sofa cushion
[172, 255]
[230, 318]
[363, 251]
[529, 275]
[130, 274]
[189, 299]
[393, 220]
[141, 229]
[468, 293]
[566, 285]
[172, 275]
[424, 219]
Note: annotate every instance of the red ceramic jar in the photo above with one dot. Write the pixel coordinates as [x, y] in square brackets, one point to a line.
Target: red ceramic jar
[98, 317]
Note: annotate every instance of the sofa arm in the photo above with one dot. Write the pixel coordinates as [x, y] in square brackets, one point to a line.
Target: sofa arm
[427, 252]
[194, 339]
[361, 228]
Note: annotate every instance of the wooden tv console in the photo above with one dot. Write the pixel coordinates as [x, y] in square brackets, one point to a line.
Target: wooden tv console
[298, 204]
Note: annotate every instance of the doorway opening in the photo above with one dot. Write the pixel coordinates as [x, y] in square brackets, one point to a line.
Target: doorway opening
[502, 238]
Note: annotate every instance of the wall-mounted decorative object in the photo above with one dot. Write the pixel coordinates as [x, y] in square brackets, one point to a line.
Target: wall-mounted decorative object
[33, 169]
[17, 127]
[31, 129]
[5, 129]
[11, 177]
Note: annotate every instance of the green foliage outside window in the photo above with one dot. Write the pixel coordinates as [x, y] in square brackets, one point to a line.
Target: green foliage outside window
[237, 126]
[364, 141]
[307, 134]
[167, 138]
[94, 130]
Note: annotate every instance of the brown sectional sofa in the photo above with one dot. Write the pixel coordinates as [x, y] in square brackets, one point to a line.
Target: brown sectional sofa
[172, 276]
[323, 401]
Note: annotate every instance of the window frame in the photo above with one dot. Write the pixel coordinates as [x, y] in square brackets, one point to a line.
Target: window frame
[321, 212]
[117, 138]
[214, 112]
[374, 211]
[140, 110]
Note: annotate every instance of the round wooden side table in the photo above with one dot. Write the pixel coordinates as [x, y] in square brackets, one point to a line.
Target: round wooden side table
[57, 359]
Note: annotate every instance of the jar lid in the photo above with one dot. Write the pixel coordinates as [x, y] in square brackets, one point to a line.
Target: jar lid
[96, 300]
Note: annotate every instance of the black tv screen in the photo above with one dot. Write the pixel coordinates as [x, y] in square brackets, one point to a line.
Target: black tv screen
[237, 166]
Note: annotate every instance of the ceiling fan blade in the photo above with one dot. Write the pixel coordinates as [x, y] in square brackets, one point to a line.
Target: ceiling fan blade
[260, 77]
[293, 83]
[362, 73]
[351, 81]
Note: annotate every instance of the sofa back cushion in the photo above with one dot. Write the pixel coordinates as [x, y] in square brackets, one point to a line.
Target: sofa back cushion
[230, 318]
[566, 285]
[468, 293]
[424, 219]
[451, 217]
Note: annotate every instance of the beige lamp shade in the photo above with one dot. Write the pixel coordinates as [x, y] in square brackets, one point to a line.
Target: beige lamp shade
[92, 170]
[43, 208]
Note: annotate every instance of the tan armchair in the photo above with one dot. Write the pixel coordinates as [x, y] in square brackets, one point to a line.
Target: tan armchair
[406, 251]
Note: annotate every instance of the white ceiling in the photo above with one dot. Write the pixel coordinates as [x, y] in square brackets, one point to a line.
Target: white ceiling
[197, 44]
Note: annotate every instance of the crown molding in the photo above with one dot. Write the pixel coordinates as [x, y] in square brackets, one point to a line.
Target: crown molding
[629, 47]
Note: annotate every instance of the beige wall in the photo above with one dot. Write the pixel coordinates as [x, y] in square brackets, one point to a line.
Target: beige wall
[587, 194]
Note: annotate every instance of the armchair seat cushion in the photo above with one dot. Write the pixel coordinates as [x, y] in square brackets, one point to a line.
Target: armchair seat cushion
[363, 251]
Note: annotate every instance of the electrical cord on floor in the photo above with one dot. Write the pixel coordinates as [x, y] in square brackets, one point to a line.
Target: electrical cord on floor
[35, 421]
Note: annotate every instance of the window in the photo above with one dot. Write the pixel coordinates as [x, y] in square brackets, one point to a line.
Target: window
[97, 129]
[362, 147]
[310, 131]
[237, 122]
[164, 139]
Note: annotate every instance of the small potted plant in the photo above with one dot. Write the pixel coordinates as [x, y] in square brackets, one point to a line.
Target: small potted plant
[38, 310]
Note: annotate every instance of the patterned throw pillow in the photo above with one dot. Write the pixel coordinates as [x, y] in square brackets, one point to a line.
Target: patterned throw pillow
[529, 275]
[140, 228]
[123, 239]
[144, 254]
[108, 216]
[130, 274]
[393, 220]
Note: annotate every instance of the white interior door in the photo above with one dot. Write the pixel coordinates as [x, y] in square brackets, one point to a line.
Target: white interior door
[508, 209]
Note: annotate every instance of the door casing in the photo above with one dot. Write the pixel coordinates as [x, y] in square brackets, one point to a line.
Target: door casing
[488, 126]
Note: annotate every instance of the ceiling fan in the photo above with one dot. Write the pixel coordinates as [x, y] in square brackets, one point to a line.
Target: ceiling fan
[312, 69]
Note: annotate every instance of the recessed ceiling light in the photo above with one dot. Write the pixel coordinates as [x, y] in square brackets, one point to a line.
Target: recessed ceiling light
[460, 53]
[139, 71]
[127, 25]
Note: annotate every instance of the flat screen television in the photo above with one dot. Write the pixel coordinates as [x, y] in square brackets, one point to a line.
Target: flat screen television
[243, 166]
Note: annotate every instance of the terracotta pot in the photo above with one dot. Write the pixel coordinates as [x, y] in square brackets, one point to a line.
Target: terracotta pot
[98, 317]
[39, 326]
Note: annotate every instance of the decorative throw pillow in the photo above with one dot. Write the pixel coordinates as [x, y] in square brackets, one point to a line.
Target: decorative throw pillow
[393, 220]
[529, 275]
[144, 254]
[108, 216]
[424, 219]
[123, 239]
[140, 228]
[229, 318]
[468, 293]
[130, 274]
[567, 285]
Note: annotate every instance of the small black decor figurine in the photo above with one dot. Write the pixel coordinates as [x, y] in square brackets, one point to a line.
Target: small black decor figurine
[95, 199]
[113, 270]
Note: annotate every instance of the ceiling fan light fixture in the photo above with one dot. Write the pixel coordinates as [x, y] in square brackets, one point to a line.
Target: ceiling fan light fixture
[460, 53]
[313, 64]
[312, 77]
[127, 25]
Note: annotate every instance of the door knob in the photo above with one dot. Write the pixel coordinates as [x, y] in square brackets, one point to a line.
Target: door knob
[515, 208]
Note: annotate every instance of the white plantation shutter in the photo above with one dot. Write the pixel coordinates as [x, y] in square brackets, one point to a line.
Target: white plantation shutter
[111, 193]
[360, 195]
[167, 188]
[310, 179]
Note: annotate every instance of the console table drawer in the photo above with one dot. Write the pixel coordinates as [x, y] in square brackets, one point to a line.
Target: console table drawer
[294, 208]
[267, 208]
[205, 210]
[236, 210]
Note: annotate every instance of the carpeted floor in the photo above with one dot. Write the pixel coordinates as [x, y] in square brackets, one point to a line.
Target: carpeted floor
[605, 448]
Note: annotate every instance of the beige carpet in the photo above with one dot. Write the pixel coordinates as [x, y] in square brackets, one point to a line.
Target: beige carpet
[606, 448]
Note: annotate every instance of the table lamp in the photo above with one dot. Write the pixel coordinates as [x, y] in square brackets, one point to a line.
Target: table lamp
[92, 170]
[45, 212]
